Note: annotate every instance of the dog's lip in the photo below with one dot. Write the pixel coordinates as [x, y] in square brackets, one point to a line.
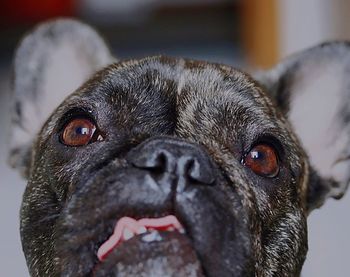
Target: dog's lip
[127, 227]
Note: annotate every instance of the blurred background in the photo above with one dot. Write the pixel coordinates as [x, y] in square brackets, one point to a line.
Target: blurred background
[248, 34]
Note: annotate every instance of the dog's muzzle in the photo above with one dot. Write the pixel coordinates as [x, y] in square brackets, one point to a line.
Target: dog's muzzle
[163, 214]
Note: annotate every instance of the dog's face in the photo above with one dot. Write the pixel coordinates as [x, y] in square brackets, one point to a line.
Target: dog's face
[167, 167]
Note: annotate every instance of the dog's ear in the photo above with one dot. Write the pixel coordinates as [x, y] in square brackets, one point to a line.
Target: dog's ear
[50, 63]
[313, 90]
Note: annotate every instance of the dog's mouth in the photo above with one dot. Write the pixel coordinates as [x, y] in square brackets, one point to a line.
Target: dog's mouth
[147, 228]
[150, 246]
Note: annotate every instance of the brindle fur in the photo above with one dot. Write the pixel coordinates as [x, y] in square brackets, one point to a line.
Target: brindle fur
[249, 225]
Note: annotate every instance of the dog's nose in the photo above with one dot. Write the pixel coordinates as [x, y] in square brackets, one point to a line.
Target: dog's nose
[170, 155]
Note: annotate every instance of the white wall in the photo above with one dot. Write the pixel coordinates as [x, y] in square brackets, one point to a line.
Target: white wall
[304, 23]
[12, 261]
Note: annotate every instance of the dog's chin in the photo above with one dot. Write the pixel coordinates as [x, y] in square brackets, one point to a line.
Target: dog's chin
[156, 253]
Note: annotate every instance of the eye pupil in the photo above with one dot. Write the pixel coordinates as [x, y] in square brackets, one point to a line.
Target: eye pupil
[263, 160]
[78, 132]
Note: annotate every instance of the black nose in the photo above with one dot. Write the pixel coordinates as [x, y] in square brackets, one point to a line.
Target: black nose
[180, 158]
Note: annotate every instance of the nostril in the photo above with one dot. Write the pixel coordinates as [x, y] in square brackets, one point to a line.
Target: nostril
[199, 171]
[156, 161]
[193, 170]
[158, 164]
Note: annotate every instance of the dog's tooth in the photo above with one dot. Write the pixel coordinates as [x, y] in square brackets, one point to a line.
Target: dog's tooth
[152, 236]
[170, 229]
[141, 230]
[127, 234]
[181, 230]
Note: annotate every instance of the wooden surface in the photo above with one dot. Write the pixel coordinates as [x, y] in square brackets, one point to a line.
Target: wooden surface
[260, 31]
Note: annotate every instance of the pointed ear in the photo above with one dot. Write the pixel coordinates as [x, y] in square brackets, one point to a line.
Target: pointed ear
[313, 89]
[50, 63]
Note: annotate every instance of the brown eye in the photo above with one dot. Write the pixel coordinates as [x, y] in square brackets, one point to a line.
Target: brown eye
[78, 132]
[263, 161]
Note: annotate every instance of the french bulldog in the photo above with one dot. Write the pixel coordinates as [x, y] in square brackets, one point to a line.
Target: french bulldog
[169, 166]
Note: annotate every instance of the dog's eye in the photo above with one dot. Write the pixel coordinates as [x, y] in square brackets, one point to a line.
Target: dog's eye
[262, 160]
[79, 132]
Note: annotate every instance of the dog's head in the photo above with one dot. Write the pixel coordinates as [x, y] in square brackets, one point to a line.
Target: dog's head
[172, 167]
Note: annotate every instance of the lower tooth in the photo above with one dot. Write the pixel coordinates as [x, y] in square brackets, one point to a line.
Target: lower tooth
[153, 236]
[141, 230]
[181, 230]
[127, 234]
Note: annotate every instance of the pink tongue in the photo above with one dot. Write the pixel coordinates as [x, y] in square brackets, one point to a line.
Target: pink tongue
[127, 227]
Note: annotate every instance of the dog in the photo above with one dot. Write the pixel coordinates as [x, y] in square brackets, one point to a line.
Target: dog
[172, 167]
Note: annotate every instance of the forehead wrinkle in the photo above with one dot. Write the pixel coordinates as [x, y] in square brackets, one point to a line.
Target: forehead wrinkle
[220, 87]
[205, 94]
